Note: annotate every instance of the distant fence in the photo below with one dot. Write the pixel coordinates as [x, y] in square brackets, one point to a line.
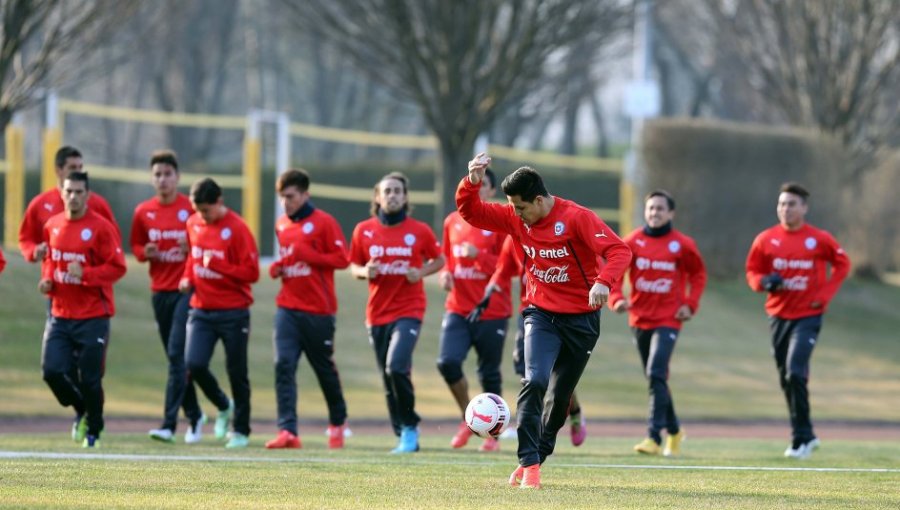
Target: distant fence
[250, 178]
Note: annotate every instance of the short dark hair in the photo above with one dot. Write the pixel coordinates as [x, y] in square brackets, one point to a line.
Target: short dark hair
[662, 193]
[526, 183]
[79, 177]
[393, 175]
[164, 157]
[65, 152]
[293, 177]
[205, 191]
[795, 189]
[491, 176]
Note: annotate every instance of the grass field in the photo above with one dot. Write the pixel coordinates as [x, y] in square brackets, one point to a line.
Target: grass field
[601, 474]
[721, 370]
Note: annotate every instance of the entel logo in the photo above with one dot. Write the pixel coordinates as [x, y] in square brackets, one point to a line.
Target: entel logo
[644, 263]
[546, 253]
[781, 264]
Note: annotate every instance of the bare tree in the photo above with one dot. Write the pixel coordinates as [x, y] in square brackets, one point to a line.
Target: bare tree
[459, 61]
[44, 42]
[829, 64]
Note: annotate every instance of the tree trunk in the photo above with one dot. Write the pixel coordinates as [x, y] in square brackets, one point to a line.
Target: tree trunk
[453, 166]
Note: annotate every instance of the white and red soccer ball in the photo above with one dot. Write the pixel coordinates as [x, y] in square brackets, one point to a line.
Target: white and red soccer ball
[487, 415]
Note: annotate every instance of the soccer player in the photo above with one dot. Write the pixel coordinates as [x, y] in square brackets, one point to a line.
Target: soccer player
[42, 207]
[667, 276]
[311, 247]
[789, 262]
[223, 262]
[84, 259]
[510, 266]
[561, 243]
[393, 252]
[471, 256]
[158, 235]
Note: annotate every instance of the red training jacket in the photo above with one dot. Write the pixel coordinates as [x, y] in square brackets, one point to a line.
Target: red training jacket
[563, 249]
[223, 283]
[93, 242]
[50, 203]
[397, 248]
[471, 275]
[509, 266]
[309, 250]
[163, 224]
[800, 257]
[666, 272]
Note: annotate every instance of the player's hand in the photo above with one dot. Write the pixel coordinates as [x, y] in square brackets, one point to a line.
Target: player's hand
[184, 286]
[621, 306]
[151, 250]
[445, 279]
[475, 315]
[684, 313]
[477, 167]
[598, 296]
[45, 285]
[40, 251]
[75, 270]
[772, 282]
[372, 269]
[276, 270]
[413, 274]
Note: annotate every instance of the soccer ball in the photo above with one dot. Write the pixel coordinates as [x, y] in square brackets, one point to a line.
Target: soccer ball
[487, 415]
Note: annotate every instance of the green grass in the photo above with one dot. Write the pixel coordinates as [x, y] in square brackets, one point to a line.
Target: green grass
[721, 369]
[601, 474]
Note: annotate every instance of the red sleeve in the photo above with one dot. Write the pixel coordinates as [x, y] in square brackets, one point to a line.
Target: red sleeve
[696, 274]
[617, 291]
[357, 255]
[244, 249]
[476, 212]
[138, 237]
[840, 267]
[755, 265]
[333, 255]
[430, 247]
[509, 263]
[607, 244]
[31, 233]
[105, 211]
[446, 248]
[2, 261]
[112, 260]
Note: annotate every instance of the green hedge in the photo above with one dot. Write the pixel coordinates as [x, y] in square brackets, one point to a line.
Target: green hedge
[725, 179]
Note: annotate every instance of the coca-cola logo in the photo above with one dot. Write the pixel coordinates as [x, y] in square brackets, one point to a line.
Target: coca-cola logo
[395, 267]
[796, 283]
[174, 254]
[658, 286]
[554, 274]
[297, 270]
[468, 273]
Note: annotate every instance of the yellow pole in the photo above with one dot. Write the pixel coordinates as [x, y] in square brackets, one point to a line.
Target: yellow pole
[52, 143]
[250, 204]
[15, 184]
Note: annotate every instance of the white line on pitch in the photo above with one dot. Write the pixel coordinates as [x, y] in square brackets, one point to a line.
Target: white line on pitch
[315, 460]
